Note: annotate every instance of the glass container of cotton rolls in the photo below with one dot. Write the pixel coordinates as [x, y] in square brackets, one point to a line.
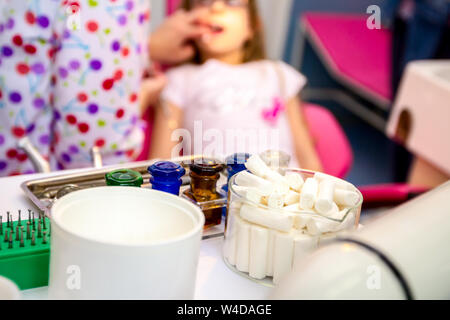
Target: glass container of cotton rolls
[276, 218]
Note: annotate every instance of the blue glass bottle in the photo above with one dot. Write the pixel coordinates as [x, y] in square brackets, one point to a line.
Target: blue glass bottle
[166, 177]
[235, 164]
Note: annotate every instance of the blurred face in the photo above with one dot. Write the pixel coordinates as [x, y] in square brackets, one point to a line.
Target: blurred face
[228, 23]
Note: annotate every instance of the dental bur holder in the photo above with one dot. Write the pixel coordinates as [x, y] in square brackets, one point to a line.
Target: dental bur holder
[25, 251]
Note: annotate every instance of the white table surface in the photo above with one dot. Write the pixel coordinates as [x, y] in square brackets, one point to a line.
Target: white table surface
[214, 279]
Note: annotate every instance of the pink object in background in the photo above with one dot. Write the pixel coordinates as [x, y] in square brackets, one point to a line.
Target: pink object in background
[172, 6]
[356, 55]
[332, 145]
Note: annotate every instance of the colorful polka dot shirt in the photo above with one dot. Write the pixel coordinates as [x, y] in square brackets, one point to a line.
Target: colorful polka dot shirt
[70, 73]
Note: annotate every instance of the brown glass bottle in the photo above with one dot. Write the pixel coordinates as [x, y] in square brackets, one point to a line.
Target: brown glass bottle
[204, 176]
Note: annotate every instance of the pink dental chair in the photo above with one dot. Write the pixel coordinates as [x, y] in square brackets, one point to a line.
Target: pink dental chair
[332, 145]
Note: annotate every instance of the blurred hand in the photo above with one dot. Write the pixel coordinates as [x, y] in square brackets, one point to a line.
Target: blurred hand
[151, 89]
[171, 43]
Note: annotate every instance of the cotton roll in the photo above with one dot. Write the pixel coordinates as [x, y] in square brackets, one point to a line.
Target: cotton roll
[291, 198]
[283, 255]
[303, 245]
[293, 207]
[242, 245]
[341, 184]
[325, 197]
[274, 220]
[231, 237]
[295, 181]
[259, 243]
[246, 179]
[270, 251]
[309, 193]
[257, 166]
[346, 198]
[275, 201]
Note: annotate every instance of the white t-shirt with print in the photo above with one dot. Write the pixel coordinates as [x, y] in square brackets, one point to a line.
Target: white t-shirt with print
[234, 108]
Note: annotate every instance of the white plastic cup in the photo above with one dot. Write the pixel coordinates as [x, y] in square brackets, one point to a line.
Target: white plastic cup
[124, 243]
[9, 290]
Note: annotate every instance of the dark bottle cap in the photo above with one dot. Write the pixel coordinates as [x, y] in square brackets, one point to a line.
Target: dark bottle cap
[125, 178]
[167, 170]
[236, 162]
[206, 167]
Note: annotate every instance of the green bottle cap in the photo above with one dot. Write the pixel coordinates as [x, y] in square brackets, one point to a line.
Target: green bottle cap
[124, 178]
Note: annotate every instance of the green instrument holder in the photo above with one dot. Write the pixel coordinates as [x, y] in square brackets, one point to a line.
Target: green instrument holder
[27, 266]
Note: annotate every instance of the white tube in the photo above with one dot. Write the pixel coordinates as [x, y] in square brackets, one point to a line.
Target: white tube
[231, 235]
[324, 202]
[275, 201]
[295, 181]
[257, 166]
[259, 243]
[309, 194]
[242, 245]
[246, 179]
[273, 220]
[346, 198]
[293, 207]
[292, 198]
[283, 255]
[341, 184]
[270, 251]
[300, 221]
[303, 245]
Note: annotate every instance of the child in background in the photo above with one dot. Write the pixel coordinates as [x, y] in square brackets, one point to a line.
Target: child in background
[230, 91]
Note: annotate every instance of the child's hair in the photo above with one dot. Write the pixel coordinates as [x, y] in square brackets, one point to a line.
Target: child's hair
[254, 48]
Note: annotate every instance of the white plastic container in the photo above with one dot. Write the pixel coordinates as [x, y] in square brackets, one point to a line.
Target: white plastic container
[9, 290]
[124, 243]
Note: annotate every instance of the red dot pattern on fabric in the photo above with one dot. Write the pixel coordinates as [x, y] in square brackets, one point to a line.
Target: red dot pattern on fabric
[83, 127]
[11, 153]
[71, 119]
[120, 113]
[30, 49]
[108, 84]
[18, 132]
[92, 26]
[30, 17]
[17, 40]
[82, 97]
[22, 68]
[100, 142]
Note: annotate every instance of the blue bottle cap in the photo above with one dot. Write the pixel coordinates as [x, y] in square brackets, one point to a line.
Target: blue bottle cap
[236, 162]
[167, 170]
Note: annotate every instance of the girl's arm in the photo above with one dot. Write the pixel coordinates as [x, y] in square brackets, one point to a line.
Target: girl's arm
[303, 141]
[168, 118]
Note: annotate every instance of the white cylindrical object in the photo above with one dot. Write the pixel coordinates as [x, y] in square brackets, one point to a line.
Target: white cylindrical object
[414, 239]
[242, 245]
[259, 244]
[270, 256]
[283, 255]
[9, 290]
[231, 233]
[257, 166]
[346, 198]
[309, 193]
[263, 217]
[295, 181]
[341, 184]
[275, 201]
[292, 198]
[124, 243]
[325, 197]
[246, 179]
